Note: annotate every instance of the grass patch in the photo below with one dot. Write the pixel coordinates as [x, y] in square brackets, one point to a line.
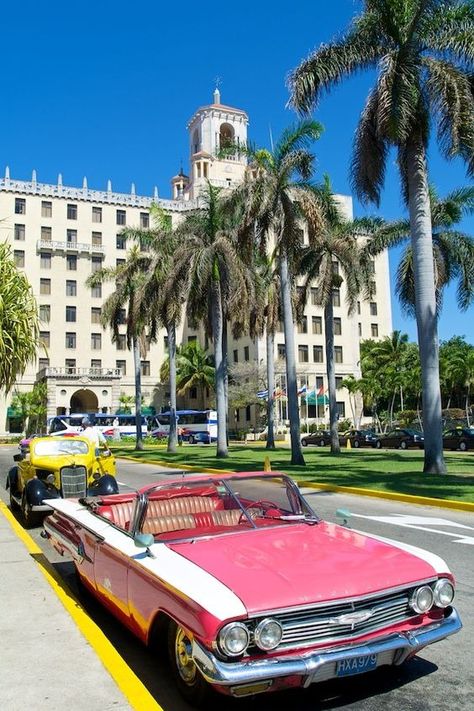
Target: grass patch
[391, 471]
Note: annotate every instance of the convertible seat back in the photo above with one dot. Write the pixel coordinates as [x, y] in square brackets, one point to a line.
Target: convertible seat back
[120, 513]
[163, 524]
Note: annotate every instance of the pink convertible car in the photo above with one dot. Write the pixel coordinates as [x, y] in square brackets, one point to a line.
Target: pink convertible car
[249, 590]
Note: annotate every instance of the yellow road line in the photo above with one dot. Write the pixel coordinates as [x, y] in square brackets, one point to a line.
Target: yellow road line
[137, 694]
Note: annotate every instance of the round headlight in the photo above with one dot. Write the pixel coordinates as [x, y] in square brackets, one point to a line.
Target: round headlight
[234, 639]
[422, 599]
[268, 634]
[50, 479]
[443, 592]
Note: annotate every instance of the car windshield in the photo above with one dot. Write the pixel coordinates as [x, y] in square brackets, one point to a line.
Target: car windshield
[224, 505]
[55, 447]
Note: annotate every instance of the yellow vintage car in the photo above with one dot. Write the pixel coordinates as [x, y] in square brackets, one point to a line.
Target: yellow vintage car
[58, 467]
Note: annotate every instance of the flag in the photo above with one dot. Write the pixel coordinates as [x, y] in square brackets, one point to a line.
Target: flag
[302, 390]
[321, 390]
[262, 394]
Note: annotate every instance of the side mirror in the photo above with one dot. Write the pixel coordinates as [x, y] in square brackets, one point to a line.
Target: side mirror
[18, 457]
[143, 540]
[344, 515]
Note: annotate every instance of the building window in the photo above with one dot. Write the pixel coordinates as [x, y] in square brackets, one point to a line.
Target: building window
[247, 413]
[373, 308]
[96, 264]
[336, 297]
[165, 343]
[372, 267]
[43, 363]
[96, 363]
[20, 206]
[19, 232]
[96, 341]
[337, 327]
[46, 208]
[71, 262]
[341, 409]
[358, 307]
[71, 287]
[374, 329]
[19, 258]
[315, 296]
[303, 356]
[318, 355]
[70, 365]
[317, 324]
[121, 242]
[144, 220]
[122, 342]
[339, 380]
[97, 239]
[96, 313]
[335, 267]
[96, 214]
[45, 338]
[45, 260]
[360, 329]
[71, 236]
[45, 313]
[302, 325]
[192, 339]
[72, 212]
[122, 316]
[373, 288]
[246, 353]
[96, 291]
[338, 354]
[145, 367]
[119, 262]
[122, 365]
[193, 393]
[121, 217]
[70, 314]
[236, 356]
[46, 234]
[70, 340]
[281, 352]
[45, 286]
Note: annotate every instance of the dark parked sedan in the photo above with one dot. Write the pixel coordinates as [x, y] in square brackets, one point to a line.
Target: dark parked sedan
[359, 438]
[319, 438]
[462, 439]
[401, 439]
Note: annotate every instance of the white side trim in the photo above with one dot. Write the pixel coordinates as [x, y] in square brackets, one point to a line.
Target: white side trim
[167, 565]
[437, 563]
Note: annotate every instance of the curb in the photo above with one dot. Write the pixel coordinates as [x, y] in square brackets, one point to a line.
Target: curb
[129, 684]
[374, 493]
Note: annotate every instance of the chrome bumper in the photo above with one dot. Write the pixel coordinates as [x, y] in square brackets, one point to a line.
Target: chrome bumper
[401, 645]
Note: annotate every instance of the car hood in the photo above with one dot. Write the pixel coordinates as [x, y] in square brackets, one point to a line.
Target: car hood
[301, 564]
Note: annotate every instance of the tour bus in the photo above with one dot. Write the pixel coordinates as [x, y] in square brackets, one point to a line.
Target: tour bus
[72, 424]
[193, 425]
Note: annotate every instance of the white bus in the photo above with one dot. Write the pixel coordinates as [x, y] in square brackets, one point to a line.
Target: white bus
[194, 425]
[72, 424]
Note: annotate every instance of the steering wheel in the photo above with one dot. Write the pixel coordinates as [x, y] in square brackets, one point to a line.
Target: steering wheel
[262, 504]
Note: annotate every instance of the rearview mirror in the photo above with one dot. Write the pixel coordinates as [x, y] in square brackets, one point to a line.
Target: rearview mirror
[344, 515]
[143, 540]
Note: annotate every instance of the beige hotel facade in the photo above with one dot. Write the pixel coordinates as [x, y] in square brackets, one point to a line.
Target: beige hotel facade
[60, 234]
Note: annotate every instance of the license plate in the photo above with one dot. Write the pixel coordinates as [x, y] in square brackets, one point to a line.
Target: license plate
[356, 665]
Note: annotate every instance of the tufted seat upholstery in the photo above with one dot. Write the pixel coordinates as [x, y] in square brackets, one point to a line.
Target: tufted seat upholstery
[163, 524]
[181, 505]
[119, 514]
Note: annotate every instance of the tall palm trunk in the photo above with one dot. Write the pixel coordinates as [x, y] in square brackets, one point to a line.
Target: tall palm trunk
[172, 438]
[138, 393]
[425, 300]
[291, 386]
[225, 366]
[331, 373]
[271, 390]
[217, 331]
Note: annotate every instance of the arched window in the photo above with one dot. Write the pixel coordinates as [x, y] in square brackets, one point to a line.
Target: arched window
[196, 142]
[226, 135]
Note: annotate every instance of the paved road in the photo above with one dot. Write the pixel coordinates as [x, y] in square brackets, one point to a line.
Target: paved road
[440, 678]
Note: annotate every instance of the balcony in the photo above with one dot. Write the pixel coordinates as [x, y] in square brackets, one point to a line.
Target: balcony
[78, 373]
[69, 247]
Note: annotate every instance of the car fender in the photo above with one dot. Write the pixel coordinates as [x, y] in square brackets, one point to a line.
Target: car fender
[36, 491]
[12, 479]
[107, 484]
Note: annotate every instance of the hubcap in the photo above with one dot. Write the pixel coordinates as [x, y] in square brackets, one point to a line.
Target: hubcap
[184, 661]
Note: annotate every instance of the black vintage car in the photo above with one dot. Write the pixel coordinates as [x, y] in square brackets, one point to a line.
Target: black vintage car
[462, 439]
[358, 438]
[401, 439]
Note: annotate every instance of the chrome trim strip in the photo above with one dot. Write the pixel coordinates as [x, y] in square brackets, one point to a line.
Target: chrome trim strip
[403, 644]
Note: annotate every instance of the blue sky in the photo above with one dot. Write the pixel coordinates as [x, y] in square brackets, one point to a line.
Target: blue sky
[104, 89]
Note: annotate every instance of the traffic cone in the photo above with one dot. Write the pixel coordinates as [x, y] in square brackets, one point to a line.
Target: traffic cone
[348, 444]
[267, 467]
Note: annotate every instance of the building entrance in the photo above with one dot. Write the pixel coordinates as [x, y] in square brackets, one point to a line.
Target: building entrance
[84, 401]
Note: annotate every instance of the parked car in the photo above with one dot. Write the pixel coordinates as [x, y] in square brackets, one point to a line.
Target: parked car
[319, 438]
[247, 588]
[55, 467]
[462, 439]
[401, 439]
[196, 437]
[358, 438]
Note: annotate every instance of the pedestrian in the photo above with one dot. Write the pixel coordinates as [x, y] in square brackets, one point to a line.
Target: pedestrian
[93, 434]
[180, 436]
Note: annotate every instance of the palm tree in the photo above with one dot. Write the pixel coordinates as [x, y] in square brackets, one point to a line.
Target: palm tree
[128, 279]
[209, 273]
[19, 326]
[274, 198]
[390, 353]
[194, 369]
[423, 53]
[353, 386]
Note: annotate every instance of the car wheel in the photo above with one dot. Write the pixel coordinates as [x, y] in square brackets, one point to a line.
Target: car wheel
[378, 444]
[403, 444]
[463, 446]
[322, 443]
[189, 680]
[356, 444]
[191, 439]
[304, 442]
[31, 519]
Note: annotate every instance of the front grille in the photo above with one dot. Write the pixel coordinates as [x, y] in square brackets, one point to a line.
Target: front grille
[319, 625]
[73, 482]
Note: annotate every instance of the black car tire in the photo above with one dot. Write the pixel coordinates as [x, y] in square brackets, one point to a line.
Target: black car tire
[463, 445]
[191, 439]
[188, 679]
[304, 442]
[403, 444]
[31, 519]
[378, 444]
[322, 443]
[356, 444]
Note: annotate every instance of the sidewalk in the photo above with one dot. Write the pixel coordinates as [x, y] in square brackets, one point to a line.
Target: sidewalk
[46, 662]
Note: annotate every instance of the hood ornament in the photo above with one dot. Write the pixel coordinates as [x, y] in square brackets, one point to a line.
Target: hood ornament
[351, 618]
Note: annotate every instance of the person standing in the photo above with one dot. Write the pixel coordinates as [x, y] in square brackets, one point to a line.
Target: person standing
[93, 434]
